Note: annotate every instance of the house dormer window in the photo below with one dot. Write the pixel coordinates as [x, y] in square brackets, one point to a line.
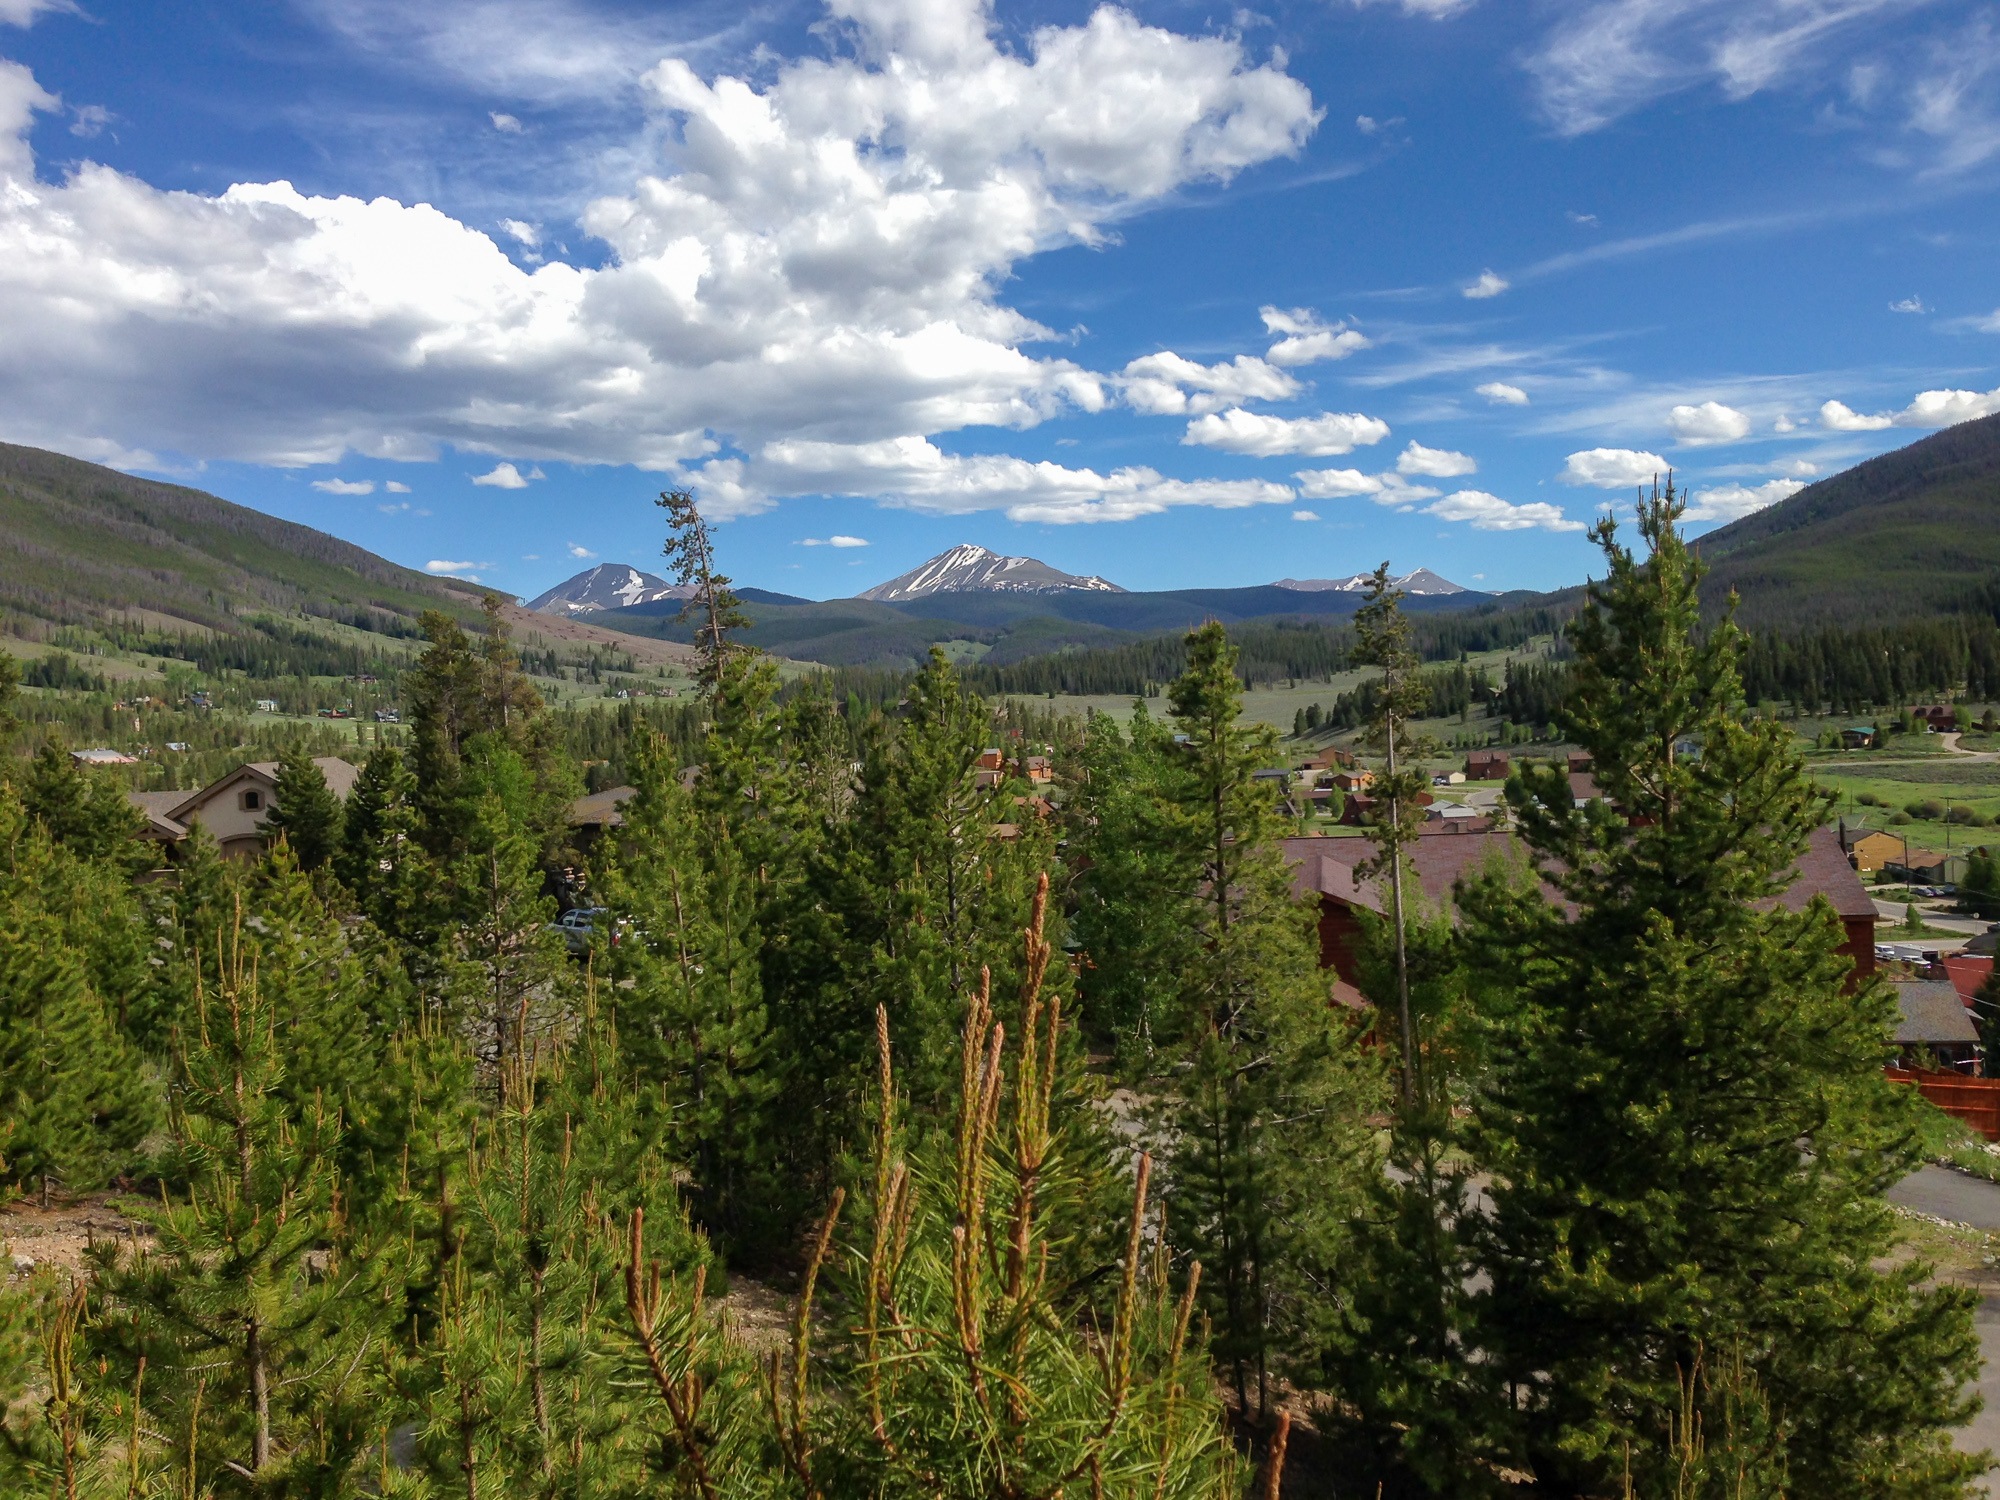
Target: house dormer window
[253, 800]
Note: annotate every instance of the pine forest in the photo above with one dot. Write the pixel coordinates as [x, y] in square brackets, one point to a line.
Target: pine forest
[910, 1120]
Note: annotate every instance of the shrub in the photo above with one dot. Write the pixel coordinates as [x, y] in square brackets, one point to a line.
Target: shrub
[1929, 809]
[1868, 799]
[1899, 819]
[1962, 815]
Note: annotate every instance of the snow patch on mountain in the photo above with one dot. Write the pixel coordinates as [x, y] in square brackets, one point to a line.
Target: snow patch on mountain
[973, 569]
[607, 586]
[1422, 582]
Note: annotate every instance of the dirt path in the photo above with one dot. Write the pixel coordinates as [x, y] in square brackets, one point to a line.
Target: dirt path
[1949, 743]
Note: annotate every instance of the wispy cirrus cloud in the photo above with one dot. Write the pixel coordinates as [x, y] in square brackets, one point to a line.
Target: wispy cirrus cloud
[1608, 58]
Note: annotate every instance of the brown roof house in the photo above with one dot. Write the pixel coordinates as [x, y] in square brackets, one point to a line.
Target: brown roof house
[597, 812]
[234, 808]
[1487, 765]
[1933, 1027]
[1324, 870]
[1358, 806]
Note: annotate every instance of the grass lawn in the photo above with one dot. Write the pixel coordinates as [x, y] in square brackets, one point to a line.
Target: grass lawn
[1278, 704]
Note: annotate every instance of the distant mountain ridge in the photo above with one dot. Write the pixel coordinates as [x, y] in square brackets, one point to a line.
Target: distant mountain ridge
[1422, 582]
[971, 569]
[606, 586]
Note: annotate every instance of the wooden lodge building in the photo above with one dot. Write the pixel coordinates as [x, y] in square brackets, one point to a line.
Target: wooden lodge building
[1324, 871]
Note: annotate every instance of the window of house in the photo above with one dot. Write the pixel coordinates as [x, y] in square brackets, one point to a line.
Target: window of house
[252, 800]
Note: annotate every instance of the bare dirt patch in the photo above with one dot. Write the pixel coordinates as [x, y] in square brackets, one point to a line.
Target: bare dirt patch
[32, 1237]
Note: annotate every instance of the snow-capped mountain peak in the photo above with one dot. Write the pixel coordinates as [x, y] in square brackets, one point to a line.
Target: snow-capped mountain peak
[607, 586]
[968, 568]
[1422, 582]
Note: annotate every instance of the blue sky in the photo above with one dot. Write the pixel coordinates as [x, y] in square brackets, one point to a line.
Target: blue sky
[1175, 294]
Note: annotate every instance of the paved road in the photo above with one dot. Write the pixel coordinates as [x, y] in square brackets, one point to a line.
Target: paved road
[1950, 1195]
[1893, 912]
[1967, 1200]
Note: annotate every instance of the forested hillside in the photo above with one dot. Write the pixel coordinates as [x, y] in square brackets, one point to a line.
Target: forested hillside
[81, 543]
[1910, 533]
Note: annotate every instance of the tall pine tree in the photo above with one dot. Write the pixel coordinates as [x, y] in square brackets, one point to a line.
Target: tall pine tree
[1268, 1089]
[304, 813]
[1685, 1118]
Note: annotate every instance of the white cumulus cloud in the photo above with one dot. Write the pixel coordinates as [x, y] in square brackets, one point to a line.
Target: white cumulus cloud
[1502, 394]
[1908, 305]
[580, 552]
[1929, 409]
[344, 486]
[505, 476]
[834, 541]
[913, 473]
[396, 487]
[505, 123]
[1305, 515]
[1488, 285]
[1484, 512]
[1165, 384]
[1437, 463]
[462, 569]
[1613, 468]
[1710, 422]
[1304, 339]
[1239, 431]
[815, 250]
[1341, 484]
[1730, 502]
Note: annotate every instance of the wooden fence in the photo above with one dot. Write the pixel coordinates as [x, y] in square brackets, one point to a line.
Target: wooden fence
[1976, 1101]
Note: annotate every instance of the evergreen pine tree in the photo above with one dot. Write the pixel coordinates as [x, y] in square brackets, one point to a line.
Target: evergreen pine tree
[957, 1367]
[10, 698]
[1685, 1117]
[1268, 1090]
[82, 1439]
[1139, 879]
[380, 861]
[462, 694]
[692, 1024]
[1979, 891]
[1382, 641]
[1397, 1316]
[241, 1305]
[74, 1099]
[715, 610]
[87, 814]
[304, 813]
[509, 975]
